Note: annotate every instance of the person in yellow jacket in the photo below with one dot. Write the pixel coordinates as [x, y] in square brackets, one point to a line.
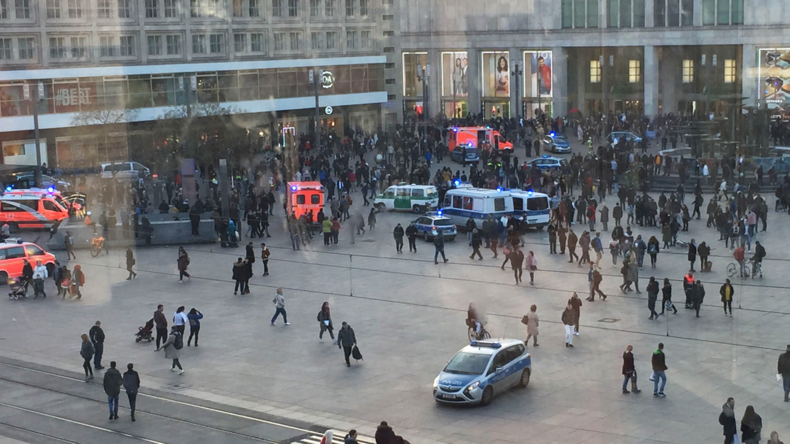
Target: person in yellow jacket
[326, 228]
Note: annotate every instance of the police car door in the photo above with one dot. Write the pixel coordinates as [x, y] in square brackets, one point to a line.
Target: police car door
[513, 366]
[497, 373]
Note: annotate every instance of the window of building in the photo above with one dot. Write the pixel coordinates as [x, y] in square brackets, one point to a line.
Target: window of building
[279, 41]
[331, 40]
[317, 40]
[53, 9]
[237, 8]
[26, 45]
[151, 8]
[352, 39]
[729, 71]
[103, 9]
[240, 43]
[329, 8]
[216, 43]
[22, 8]
[626, 13]
[634, 71]
[79, 47]
[254, 8]
[198, 44]
[349, 8]
[688, 71]
[277, 8]
[3, 9]
[173, 44]
[6, 49]
[595, 71]
[673, 13]
[389, 33]
[154, 45]
[107, 46]
[315, 8]
[127, 46]
[722, 12]
[293, 8]
[363, 8]
[57, 48]
[170, 8]
[75, 9]
[124, 9]
[205, 8]
[295, 40]
[257, 42]
[388, 17]
[579, 13]
[365, 39]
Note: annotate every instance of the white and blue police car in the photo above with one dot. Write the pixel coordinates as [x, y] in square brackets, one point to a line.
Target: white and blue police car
[482, 370]
[429, 226]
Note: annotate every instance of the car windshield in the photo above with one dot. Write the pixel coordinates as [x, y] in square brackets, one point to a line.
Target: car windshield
[431, 192]
[465, 363]
[443, 222]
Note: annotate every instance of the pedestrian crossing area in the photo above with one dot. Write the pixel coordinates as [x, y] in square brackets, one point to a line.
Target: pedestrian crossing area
[337, 438]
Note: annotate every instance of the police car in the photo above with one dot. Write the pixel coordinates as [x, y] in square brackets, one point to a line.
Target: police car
[557, 143]
[548, 162]
[428, 226]
[482, 370]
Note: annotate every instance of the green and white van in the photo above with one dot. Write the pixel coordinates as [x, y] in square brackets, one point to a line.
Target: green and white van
[417, 198]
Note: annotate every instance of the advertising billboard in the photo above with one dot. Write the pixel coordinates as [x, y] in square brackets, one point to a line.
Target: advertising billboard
[496, 73]
[412, 85]
[455, 82]
[537, 73]
[774, 77]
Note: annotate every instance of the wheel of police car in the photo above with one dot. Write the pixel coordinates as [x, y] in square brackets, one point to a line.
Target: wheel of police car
[488, 396]
[524, 381]
[418, 209]
[425, 236]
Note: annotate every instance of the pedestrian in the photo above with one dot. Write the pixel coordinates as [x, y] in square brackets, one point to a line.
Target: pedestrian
[326, 228]
[652, 297]
[727, 292]
[335, 230]
[438, 244]
[783, 371]
[692, 254]
[774, 436]
[633, 275]
[516, 257]
[131, 383]
[385, 434]
[629, 371]
[397, 233]
[572, 240]
[614, 250]
[39, 274]
[576, 305]
[411, 233]
[58, 276]
[69, 240]
[161, 325]
[130, 263]
[183, 263]
[658, 362]
[584, 244]
[97, 338]
[703, 250]
[239, 275]
[112, 387]
[347, 340]
[698, 295]
[532, 266]
[568, 321]
[597, 278]
[532, 325]
[751, 425]
[653, 248]
[604, 210]
[552, 232]
[351, 438]
[173, 346]
[87, 350]
[597, 246]
[666, 297]
[279, 304]
[688, 287]
[727, 421]
[371, 218]
[477, 240]
[194, 317]
[265, 253]
[325, 322]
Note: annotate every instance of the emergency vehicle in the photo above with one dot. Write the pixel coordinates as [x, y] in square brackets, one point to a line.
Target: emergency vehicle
[32, 208]
[476, 137]
[303, 197]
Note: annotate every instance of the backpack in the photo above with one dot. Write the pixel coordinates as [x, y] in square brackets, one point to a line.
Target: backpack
[179, 342]
[318, 318]
[652, 248]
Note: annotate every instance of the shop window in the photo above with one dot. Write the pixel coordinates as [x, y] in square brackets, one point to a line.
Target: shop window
[729, 71]
[634, 71]
[595, 71]
[688, 71]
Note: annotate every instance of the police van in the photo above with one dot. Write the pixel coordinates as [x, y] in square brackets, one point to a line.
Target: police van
[415, 198]
[482, 370]
[32, 209]
[464, 202]
[533, 208]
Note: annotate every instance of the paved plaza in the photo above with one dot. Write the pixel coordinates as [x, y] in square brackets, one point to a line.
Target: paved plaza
[409, 314]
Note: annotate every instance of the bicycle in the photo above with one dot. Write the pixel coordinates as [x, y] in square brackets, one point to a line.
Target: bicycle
[97, 243]
[472, 332]
[734, 268]
[757, 267]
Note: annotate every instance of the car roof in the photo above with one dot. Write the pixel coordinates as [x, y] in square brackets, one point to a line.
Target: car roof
[471, 192]
[23, 244]
[489, 350]
[435, 217]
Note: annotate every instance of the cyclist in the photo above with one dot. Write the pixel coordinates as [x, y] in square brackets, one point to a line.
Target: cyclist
[472, 319]
[757, 259]
[97, 242]
[739, 254]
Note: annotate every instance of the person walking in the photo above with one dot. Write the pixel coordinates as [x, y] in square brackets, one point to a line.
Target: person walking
[112, 387]
[576, 305]
[97, 338]
[279, 304]
[597, 246]
[532, 266]
[477, 240]
[774, 436]
[87, 350]
[629, 371]
[727, 292]
[411, 233]
[597, 278]
[183, 263]
[697, 296]
[652, 297]
[351, 437]
[161, 325]
[326, 228]
[265, 253]
[238, 275]
[347, 340]
[572, 240]
[438, 244]
[703, 250]
[325, 322]
[751, 426]
[633, 275]
[727, 421]
[666, 297]
[516, 262]
[532, 325]
[130, 264]
[39, 274]
[131, 383]
[652, 249]
[398, 233]
[604, 216]
[692, 254]
[584, 244]
[568, 321]
[69, 240]
[78, 281]
[194, 317]
[783, 371]
[173, 346]
[180, 320]
[659, 364]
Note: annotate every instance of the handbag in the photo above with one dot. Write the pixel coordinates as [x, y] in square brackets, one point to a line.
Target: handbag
[355, 353]
[525, 320]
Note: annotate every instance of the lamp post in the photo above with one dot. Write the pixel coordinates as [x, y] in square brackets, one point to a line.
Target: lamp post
[35, 98]
[316, 78]
[517, 71]
[424, 76]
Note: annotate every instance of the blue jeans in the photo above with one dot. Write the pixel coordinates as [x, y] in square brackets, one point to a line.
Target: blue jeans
[632, 377]
[112, 403]
[99, 347]
[277, 313]
[786, 384]
[436, 255]
[659, 376]
[295, 241]
[640, 259]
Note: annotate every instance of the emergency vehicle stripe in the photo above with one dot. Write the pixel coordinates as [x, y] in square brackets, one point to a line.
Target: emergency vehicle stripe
[35, 213]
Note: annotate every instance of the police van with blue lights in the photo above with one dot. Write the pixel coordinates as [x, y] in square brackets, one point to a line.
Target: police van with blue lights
[482, 370]
[464, 201]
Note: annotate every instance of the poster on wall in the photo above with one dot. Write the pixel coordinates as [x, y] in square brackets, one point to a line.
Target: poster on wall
[774, 77]
[537, 76]
[455, 82]
[496, 74]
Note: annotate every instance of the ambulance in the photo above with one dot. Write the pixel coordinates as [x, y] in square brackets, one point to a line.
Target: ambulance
[303, 197]
[32, 208]
[476, 136]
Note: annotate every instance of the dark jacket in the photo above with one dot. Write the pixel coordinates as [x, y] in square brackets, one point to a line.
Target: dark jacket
[131, 381]
[87, 350]
[568, 318]
[438, 242]
[398, 232]
[692, 256]
[724, 287]
[698, 293]
[658, 361]
[160, 320]
[727, 420]
[783, 366]
[411, 231]
[238, 271]
[346, 337]
[751, 431]
[349, 440]
[385, 435]
[628, 363]
[112, 382]
[96, 334]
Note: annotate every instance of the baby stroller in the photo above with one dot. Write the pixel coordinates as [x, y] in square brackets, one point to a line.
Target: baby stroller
[18, 288]
[144, 333]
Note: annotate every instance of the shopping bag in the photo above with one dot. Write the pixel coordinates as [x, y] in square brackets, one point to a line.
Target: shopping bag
[355, 353]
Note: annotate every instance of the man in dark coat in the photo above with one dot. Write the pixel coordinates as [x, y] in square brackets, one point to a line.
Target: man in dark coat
[697, 296]
[346, 339]
[784, 370]
[629, 371]
[112, 387]
[727, 420]
[131, 382]
[692, 255]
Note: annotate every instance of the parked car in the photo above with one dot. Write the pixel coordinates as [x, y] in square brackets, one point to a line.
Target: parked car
[465, 154]
[124, 170]
[430, 225]
[556, 143]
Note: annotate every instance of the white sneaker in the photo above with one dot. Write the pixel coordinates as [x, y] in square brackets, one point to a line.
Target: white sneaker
[576, 333]
[287, 323]
[173, 369]
[272, 324]
[181, 372]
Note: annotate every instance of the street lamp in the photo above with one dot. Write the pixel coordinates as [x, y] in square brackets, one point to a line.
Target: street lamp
[424, 75]
[35, 98]
[517, 71]
[316, 78]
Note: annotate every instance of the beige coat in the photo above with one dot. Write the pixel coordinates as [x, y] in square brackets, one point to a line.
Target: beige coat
[532, 323]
